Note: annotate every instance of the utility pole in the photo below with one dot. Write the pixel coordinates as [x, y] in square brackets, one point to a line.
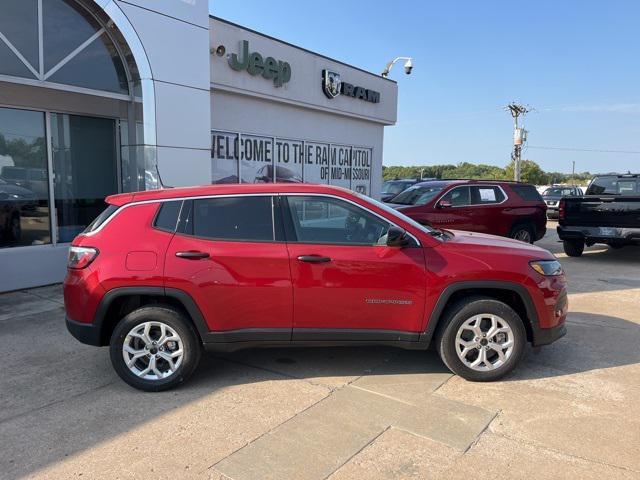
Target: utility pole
[573, 174]
[519, 136]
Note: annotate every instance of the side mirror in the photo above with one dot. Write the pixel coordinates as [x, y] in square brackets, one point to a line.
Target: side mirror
[445, 204]
[397, 237]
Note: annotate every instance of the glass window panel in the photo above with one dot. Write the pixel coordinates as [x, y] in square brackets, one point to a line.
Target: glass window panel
[224, 157]
[24, 189]
[331, 221]
[256, 165]
[10, 64]
[84, 170]
[234, 218]
[289, 155]
[98, 66]
[66, 25]
[19, 23]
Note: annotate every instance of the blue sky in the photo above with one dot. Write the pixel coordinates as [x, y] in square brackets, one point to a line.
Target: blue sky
[576, 61]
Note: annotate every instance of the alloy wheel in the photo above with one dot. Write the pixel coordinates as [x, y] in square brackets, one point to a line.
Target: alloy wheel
[523, 235]
[484, 342]
[153, 350]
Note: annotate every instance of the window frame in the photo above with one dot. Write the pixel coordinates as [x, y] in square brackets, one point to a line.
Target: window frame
[291, 235]
[504, 195]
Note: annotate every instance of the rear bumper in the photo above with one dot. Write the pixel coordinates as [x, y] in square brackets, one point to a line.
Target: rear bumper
[86, 333]
[598, 235]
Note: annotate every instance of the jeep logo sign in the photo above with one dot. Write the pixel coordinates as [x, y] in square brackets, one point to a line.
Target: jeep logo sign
[255, 64]
[332, 86]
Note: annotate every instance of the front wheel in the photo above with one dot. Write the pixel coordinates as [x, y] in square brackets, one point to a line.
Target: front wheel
[154, 348]
[483, 339]
[573, 248]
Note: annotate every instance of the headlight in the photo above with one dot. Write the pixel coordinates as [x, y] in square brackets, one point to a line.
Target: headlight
[547, 267]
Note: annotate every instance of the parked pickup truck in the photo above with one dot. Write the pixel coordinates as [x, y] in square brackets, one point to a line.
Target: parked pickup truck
[608, 213]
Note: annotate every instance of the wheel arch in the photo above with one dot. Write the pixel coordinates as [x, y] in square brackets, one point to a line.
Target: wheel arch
[513, 294]
[119, 302]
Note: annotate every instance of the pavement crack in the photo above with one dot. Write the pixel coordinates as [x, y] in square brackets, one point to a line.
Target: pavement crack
[565, 454]
[358, 451]
[486, 427]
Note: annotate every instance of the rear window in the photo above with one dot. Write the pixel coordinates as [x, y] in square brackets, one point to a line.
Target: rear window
[167, 217]
[482, 195]
[527, 193]
[100, 219]
[613, 185]
[419, 195]
[234, 218]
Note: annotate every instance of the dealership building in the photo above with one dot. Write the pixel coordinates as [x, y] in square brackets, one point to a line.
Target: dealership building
[107, 96]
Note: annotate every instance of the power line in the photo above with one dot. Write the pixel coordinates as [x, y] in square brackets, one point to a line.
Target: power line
[569, 149]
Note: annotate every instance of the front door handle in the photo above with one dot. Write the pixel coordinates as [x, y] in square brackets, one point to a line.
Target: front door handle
[313, 259]
[192, 255]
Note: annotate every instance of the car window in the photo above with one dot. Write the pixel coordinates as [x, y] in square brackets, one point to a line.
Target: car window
[328, 220]
[459, 197]
[167, 217]
[419, 195]
[526, 192]
[100, 219]
[247, 218]
[613, 185]
[481, 195]
[393, 188]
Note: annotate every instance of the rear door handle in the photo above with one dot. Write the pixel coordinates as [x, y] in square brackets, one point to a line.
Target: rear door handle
[313, 259]
[192, 255]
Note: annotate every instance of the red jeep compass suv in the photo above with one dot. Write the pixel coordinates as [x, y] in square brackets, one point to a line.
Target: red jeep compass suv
[508, 209]
[161, 274]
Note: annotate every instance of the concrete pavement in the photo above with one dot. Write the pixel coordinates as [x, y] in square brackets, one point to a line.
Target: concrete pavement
[570, 411]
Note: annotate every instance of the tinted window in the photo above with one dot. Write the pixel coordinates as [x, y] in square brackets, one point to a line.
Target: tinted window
[527, 192]
[559, 191]
[613, 185]
[167, 217]
[233, 218]
[394, 187]
[417, 195]
[481, 195]
[100, 219]
[459, 197]
[329, 220]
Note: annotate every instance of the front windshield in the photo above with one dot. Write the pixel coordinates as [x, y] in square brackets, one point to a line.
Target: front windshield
[557, 191]
[417, 195]
[393, 187]
[395, 213]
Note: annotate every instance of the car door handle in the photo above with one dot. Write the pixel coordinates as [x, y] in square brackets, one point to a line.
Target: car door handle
[313, 259]
[192, 255]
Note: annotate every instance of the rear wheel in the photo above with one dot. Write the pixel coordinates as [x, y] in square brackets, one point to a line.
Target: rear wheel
[523, 232]
[573, 248]
[483, 339]
[154, 348]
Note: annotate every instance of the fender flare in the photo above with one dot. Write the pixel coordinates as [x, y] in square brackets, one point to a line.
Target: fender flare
[447, 293]
[180, 295]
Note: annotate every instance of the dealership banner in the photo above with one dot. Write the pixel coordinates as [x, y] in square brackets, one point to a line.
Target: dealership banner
[238, 157]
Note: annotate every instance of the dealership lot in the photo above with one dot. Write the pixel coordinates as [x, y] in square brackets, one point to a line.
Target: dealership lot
[571, 410]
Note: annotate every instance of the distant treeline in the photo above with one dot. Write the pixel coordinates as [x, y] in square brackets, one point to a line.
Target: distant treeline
[530, 172]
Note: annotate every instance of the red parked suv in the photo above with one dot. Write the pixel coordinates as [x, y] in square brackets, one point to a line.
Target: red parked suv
[161, 274]
[508, 209]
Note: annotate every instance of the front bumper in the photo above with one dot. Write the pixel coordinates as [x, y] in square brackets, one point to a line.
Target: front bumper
[545, 336]
[84, 332]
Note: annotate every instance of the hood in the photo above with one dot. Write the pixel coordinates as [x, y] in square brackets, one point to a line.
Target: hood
[496, 244]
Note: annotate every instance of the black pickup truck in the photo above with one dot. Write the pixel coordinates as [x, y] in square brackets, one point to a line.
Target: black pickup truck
[609, 213]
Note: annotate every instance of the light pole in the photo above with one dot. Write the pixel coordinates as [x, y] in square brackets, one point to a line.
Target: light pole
[408, 65]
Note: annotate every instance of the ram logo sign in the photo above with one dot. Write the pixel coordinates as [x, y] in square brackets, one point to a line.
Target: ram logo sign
[332, 86]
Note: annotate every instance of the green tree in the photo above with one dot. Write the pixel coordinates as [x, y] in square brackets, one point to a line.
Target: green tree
[530, 172]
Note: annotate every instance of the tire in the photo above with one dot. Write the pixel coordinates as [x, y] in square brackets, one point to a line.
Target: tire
[573, 248]
[524, 232]
[179, 336]
[492, 367]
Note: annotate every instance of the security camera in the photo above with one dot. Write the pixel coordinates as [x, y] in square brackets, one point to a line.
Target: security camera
[408, 66]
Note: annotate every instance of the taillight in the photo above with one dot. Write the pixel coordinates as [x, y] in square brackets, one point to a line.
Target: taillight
[81, 257]
[561, 208]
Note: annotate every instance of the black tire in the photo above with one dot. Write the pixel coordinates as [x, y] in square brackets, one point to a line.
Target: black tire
[191, 345]
[573, 248]
[525, 232]
[465, 310]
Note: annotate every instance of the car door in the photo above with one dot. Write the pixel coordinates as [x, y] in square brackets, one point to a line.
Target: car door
[228, 255]
[486, 210]
[452, 210]
[345, 276]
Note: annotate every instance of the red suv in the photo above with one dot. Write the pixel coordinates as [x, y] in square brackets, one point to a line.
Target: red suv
[161, 274]
[508, 209]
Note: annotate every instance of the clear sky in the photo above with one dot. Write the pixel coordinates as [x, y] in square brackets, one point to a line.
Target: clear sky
[576, 61]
